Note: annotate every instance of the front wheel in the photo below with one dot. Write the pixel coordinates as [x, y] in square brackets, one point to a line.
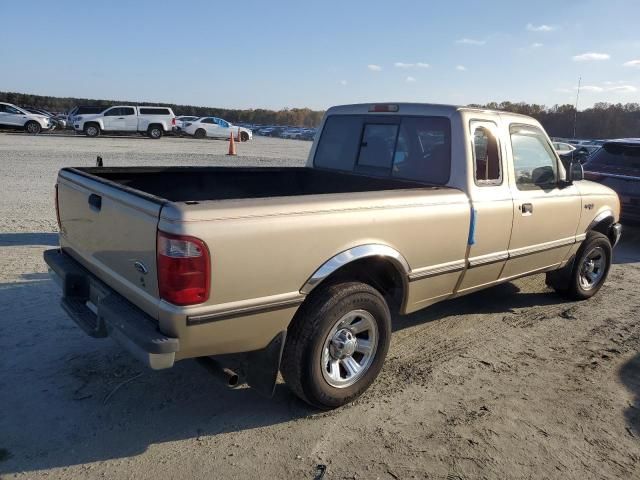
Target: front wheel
[33, 128]
[244, 137]
[589, 271]
[92, 130]
[336, 344]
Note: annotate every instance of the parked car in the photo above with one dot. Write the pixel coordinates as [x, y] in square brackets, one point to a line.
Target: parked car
[617, 165]
[308, 134]
[154, 121]
[299, 269]
[292, 133]
[216, 128]
[83, 110]
[12, 116]
[55, 121]
[563, 148]
[182, 120]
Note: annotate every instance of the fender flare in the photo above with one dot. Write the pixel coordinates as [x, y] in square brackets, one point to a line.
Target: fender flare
[358, 253]
[600, 217]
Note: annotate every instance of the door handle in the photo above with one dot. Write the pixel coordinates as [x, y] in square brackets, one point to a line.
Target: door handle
[526, 208]
[120, 118]
[95, 202]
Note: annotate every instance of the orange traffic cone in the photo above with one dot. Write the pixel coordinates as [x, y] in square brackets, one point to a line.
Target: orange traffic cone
[232, 145]
[239, 139]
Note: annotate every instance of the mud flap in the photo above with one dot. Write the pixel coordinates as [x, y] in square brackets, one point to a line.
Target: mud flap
[559, 279]
[263, 365]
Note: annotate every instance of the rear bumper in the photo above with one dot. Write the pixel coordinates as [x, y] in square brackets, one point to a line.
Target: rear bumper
[102, 312]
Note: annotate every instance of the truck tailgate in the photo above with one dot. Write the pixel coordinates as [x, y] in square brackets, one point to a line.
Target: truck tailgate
[111, 231]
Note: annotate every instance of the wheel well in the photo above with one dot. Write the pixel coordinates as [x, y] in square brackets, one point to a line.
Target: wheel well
[91, 123]
[151, 125]
[604, 227]
[378, 272]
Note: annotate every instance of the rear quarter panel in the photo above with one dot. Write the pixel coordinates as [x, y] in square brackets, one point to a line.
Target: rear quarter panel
[263, 251]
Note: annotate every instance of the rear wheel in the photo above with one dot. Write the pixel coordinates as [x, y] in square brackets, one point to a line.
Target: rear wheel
[92, 130]
[336, 344]
[155, 132]
[200, 133]
[32, 127]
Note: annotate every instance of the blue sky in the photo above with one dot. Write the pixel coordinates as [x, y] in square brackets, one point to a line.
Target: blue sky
[277, 54]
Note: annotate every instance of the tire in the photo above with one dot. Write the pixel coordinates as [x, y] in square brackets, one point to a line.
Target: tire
[155, 132]
[244, 137]
[589, 271]
[91, 130]
[200, 133]
[316, 333]
[32, 127]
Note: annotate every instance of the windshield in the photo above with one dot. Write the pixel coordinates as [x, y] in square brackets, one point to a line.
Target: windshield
[412, 148]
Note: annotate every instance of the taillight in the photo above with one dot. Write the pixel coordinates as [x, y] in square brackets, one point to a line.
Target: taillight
[173, 121]
[58, 210]
[183, 269]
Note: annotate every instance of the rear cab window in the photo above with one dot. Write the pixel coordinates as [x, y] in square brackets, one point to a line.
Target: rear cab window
[154, 111]
[416, 148]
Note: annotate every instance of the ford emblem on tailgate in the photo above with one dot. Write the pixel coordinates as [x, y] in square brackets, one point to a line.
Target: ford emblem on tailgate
[141, 267]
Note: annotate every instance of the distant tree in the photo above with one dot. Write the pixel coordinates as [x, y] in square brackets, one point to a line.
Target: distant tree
[603, 120]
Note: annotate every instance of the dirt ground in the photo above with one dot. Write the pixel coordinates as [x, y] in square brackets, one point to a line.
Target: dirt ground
[513, 382]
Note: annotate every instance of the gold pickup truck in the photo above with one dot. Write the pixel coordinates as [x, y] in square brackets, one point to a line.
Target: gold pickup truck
[300, 269]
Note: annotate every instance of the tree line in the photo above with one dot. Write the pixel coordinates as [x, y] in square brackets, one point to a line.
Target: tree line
[603, 120]
[301, 117]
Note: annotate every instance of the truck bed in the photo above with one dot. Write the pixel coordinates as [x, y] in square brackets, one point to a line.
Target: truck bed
[193, 184]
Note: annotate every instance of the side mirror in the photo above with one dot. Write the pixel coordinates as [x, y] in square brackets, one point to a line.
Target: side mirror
[575, 173]
[542, 176]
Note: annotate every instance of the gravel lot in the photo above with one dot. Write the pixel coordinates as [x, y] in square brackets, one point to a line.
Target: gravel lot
[513, 382]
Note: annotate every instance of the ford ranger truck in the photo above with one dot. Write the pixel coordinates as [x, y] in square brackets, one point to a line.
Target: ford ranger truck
[299, 270]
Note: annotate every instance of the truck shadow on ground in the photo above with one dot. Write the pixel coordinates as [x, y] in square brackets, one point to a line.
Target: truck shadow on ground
[630, 377]
[28, 239]
[75, 400]
[503, 298]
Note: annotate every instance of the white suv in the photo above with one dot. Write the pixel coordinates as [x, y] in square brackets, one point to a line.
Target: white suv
[154, 121]
[16, 117]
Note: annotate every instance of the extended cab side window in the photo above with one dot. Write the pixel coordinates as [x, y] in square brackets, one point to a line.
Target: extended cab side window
[114, 112]
[486, 156]
[127, 111]
[423, 150]
[534, 161]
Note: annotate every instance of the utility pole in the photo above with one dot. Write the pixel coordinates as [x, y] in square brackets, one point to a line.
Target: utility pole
[575, 113]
